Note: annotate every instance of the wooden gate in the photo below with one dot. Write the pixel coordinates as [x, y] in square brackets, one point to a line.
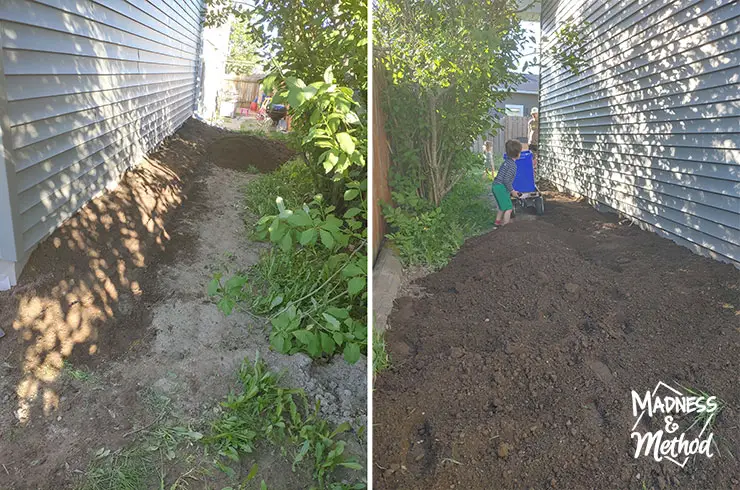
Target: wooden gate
[515, 128]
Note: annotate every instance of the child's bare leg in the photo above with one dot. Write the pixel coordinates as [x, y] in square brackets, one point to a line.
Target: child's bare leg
[507, 216]
[499, 216]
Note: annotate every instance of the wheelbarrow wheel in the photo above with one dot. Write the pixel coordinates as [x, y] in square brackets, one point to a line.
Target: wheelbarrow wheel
[539, 205]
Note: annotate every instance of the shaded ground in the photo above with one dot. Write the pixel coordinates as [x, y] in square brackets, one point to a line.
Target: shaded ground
[514, 368]
[111, 318]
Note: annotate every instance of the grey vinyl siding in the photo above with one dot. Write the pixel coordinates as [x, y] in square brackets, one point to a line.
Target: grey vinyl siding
[92, 86]
[651, 126]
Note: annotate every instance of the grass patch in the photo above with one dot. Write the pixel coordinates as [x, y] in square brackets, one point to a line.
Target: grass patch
[123, 470]
[381, 360]
[292, 181]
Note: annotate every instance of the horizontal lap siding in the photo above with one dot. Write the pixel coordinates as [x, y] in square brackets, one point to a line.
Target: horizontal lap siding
[651, 125]
[92, 85]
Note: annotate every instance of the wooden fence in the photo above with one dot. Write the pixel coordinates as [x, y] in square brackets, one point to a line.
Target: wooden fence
[515, 128]
[381, 191]
[246, 87]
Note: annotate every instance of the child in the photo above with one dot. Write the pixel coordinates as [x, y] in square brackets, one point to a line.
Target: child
[502, 185]
[488, 155]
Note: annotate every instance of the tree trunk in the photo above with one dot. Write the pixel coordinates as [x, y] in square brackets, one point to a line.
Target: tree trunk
[434, 163]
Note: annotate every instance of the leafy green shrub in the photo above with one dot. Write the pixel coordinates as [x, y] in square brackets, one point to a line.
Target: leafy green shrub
[265, 411]
[334, 139]
[313, 284]
[429, 235]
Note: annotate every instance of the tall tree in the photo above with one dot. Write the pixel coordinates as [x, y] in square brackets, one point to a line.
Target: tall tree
[243, 50]
[448, 62]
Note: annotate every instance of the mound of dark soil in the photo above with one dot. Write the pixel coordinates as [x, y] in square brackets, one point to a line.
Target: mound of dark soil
[246, 152]
[515, 370]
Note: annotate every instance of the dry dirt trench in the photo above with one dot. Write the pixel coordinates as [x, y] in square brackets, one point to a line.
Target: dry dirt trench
[513, 368]
[119, 292]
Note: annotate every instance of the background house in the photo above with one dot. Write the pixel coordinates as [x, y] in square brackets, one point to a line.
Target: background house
[517, 107]
[650, 127]
[524, 97]
[87, 87]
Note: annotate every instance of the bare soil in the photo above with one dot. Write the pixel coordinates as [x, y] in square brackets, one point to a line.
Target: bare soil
[514, 369]
[246, 152]
[118, 292]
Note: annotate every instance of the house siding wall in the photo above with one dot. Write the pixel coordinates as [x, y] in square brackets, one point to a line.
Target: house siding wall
[92, 86]
[651, 126]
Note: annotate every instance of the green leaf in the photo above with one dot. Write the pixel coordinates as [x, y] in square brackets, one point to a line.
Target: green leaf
[352, 353]
[352, 465]
[252, 472]
[331, 160]
[352, 270]
[340, 313]
[350, 194]
[286, 244]
[276, 302]
[281, 321]
[308, 236]
[300, 218]
[333, 322]
[235, 283]
[278, 343]
[327, 239]
[310, 341]
[226, 306]
[346, 143]
[355, 285]
[352, 212]
[213, 287]
[343, 427]
[338, 338]
[303, 335]
[327, 343]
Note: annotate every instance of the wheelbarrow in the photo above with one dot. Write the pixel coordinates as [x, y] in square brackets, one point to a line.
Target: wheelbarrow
[529, 195]
[276, 113]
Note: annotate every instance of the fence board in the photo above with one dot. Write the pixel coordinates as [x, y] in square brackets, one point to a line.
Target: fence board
[246, 88]
[381, 165]
[515, 128]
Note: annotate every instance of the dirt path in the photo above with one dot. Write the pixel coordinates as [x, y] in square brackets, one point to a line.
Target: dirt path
[514, 370]
[118, 294]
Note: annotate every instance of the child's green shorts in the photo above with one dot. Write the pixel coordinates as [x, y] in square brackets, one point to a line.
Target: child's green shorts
[503, 199]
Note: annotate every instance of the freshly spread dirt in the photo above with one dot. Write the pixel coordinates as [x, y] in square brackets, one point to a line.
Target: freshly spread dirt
[246, 152]
[515, 368]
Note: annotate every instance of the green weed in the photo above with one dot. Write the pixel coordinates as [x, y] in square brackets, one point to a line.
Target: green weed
[381, 361]
[265, 411]
[80, 374]
[705, 418]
